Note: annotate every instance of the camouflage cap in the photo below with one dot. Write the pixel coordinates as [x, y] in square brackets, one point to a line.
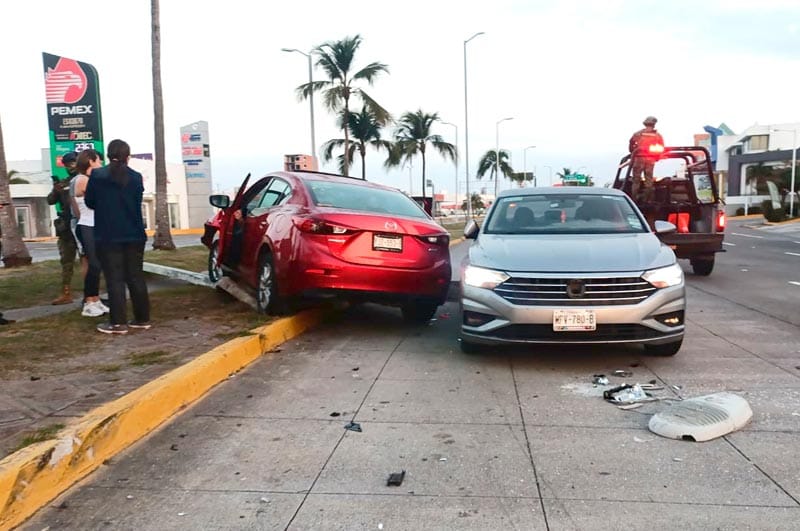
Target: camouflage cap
[650, 120]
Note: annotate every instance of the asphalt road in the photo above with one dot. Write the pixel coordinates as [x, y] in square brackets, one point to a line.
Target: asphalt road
[41, 251]
[507, 439]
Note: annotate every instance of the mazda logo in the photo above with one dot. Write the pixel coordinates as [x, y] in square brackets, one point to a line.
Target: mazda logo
[390, 225]
[576, 289]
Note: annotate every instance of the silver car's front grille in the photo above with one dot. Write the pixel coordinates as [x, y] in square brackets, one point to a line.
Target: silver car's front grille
[575, 291]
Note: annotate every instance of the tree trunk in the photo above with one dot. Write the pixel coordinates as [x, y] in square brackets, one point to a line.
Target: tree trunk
[422, 150]
[163, 237]
[363, 149]
[15, 253]
[346, 130]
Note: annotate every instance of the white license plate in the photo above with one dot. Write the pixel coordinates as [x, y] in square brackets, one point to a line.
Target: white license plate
[387, 243]
[574, 320]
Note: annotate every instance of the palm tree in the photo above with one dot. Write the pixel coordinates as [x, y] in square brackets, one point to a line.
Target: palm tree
[163, 236]
[488, 163]
[336, 59]
[413, 135]
[477, 202]
[365, 131]
[15, 253]
[564, 173]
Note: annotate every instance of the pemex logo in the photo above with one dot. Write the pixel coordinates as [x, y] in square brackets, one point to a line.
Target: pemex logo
[66, 83]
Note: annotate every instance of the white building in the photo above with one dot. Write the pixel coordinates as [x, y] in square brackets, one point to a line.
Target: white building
[34, 215]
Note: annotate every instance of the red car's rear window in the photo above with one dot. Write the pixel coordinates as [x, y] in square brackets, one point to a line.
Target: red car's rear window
[363, 198]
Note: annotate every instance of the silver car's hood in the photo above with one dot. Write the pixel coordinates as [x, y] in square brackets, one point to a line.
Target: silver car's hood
[576, 253]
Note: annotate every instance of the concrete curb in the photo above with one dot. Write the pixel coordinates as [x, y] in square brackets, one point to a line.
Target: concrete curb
[35, 475]
[456, 241]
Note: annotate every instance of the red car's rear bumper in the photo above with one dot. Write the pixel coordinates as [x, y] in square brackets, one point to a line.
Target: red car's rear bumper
[373, 283]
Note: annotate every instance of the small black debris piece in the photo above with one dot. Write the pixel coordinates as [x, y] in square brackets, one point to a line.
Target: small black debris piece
[353, 426]
[335, 414]
[396, 479]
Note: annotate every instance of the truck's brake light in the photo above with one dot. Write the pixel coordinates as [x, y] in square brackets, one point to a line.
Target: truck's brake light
[656, 148]
[721, 221]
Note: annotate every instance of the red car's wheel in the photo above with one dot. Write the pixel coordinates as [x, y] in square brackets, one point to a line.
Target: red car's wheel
[267, 299]
[214, 270]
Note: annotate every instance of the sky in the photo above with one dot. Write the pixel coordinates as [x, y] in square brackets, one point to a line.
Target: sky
[578, 77]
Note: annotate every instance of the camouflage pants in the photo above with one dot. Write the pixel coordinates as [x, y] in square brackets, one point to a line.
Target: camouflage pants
[639, 182]
[67, 249]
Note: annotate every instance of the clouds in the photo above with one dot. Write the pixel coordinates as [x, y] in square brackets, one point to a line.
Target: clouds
[577, 76]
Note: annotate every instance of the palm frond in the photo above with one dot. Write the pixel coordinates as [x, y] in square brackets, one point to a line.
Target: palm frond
[329, 146]
[370, 72]
[381, 115]
[306, 90]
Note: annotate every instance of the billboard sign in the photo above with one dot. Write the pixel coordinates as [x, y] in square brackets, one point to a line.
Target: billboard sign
[72, 92]
[195, 150]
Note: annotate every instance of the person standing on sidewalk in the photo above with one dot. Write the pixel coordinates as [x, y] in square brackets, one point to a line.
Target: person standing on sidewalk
[115, 193]
[67, 247]
[88, 160]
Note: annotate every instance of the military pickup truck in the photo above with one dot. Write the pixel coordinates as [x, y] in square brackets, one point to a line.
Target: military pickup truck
[688, 198]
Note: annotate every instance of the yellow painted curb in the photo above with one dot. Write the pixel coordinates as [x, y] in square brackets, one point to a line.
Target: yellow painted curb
[177, 232]
[33, 476]
[456, 241]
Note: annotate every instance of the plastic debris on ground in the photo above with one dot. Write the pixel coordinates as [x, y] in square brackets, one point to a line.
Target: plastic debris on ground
[396, 479]
[621, 373]
[600, 379]
[627, 394]
[353, 426]
[702, 418]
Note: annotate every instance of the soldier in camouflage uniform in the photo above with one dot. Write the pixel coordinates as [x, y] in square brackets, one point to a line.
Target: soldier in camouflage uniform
[67, 247]
[644, 159]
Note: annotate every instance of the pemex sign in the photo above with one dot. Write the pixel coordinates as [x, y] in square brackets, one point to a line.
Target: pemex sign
[72, 91]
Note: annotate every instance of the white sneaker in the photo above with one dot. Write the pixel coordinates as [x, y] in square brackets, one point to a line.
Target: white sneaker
[103, 307]
[91, 309]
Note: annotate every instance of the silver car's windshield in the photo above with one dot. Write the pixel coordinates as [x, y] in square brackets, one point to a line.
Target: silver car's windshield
[564, 214]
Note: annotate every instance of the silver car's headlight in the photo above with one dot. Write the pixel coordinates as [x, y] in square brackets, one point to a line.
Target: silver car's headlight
[483, 278]
[665, 277]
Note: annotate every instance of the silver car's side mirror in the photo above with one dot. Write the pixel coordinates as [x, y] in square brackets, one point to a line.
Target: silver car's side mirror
[471, 230]
[664, 227]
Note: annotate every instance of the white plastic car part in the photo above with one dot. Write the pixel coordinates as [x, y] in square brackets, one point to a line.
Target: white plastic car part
[702, 418]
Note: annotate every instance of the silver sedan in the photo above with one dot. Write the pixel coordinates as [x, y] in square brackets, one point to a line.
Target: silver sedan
[570, 266]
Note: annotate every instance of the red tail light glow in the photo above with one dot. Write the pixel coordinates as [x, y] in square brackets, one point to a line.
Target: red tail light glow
[656, 148]
[721, 221]
[440, 239]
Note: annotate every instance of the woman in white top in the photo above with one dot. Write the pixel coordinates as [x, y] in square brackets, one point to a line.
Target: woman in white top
[88, 159]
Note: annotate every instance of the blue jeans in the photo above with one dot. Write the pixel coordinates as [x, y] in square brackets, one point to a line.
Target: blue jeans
[122, 266]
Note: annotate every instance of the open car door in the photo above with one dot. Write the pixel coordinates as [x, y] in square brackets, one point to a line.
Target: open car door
[227, 222]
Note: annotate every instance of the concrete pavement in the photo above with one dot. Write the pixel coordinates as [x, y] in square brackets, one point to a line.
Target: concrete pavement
[508, 439]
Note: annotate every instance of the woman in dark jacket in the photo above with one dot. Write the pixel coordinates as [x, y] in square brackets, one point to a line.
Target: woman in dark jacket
[115, 194]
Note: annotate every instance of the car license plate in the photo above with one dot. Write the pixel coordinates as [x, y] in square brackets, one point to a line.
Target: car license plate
[574, 320]
[383, 242]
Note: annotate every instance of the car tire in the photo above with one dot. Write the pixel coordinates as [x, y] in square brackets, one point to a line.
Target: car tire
[267, 299]
[215, 272]
[468, 347]
[666, 349]
[419, 312]
[703, 266]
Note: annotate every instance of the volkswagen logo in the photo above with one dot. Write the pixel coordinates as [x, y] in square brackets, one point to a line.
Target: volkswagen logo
[576, 289]
[390, 225]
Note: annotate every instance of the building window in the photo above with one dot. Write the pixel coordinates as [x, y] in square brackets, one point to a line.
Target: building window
[145, 216]
[758, 143]
[174, 218]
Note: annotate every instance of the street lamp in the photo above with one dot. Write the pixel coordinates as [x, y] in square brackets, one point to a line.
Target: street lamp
[455, 162]
[466, 126]
[794, 167]
[310, 98]
[525, 164]
[497, 152]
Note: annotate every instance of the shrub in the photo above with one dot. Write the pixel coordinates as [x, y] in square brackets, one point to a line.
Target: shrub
[773, 214]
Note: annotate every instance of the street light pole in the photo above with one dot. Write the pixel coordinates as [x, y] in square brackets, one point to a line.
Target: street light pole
[525, 164]
[550, 178]
[310, 99]
[455, 162]
[466, 126]
[497, 152]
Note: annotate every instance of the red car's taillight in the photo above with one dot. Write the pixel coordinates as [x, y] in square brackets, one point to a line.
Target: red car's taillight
[438, 239]
[317, 226]
[721, 221]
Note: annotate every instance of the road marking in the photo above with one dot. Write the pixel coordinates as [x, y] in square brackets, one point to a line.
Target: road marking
[795, 283]
[746, 235]
[793, 254]
[729, 243]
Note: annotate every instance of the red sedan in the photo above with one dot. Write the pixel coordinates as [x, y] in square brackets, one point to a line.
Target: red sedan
[300, 234]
